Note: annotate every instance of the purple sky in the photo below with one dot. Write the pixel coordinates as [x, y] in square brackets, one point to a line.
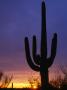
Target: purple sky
[20, 18]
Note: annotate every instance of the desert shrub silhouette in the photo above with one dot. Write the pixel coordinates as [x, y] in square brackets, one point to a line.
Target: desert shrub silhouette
[4, 80]
[64, 81]
[40, 62]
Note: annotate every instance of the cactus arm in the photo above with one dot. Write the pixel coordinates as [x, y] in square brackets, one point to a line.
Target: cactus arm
[43, 33]
[53, 50]
[36, 58]
[54, 46]
[29, 60]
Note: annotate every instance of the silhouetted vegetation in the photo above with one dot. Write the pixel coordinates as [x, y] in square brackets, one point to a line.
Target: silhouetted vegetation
[40, 62]
[64, 82]
[57, 81]
[34, 82]
[4, 80]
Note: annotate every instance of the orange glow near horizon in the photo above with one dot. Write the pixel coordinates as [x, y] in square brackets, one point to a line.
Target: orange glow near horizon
[21, 85]
[20, 78]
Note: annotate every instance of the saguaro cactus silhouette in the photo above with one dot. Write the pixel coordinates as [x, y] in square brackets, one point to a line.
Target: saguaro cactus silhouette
[40, 62]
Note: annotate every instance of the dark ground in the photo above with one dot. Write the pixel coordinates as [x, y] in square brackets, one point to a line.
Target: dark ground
[64, 88]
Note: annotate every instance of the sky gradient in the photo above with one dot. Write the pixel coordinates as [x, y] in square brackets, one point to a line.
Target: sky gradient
[20, 18]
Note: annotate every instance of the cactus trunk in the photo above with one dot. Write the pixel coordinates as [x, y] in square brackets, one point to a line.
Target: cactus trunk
[44, 74]
[43, 33]
[44, 79]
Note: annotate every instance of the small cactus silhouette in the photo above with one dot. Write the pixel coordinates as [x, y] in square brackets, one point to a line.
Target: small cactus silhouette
[40, 62]
[12, 85]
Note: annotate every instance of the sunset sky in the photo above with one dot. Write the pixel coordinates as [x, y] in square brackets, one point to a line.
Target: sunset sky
[20, 18]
